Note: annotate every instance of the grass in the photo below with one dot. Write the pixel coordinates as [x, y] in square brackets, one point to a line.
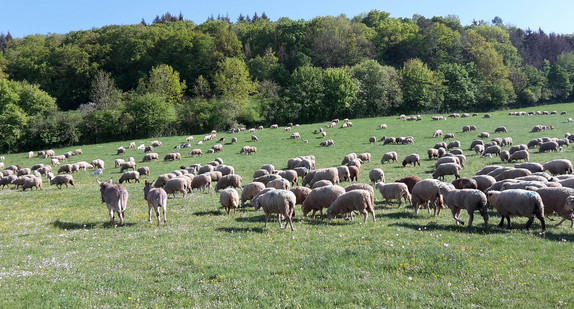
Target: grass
[59, 250]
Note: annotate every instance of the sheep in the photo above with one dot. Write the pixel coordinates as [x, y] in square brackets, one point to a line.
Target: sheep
[483, 135]
[389, 156]
[232, 180]
[494, 149]
[518, 202]
[280, 184]
[394, 190]
[531, 166]
[382, 126]
[344, 173]
[330, 174]
[469, 199]
[558, 167]
[355, 200]
[266, 178]
[195, 152]
[116, 199]
[254, 138]
[172, 156]
[120, 150]
[250, 190]
[548, 146]
[501, 130]
[206, 169]
[148, 149]
[128, 165]
[354, 173]
[427, 190]
[507, 141]
[301, 194]
[356, 162]
[99, 163]
[320, 198]
[448, 135]
[176, 185]
[512, 173]
[217, 148]
[440, 145]
[225, 169]
[55, 162]
[413, 159]
[437, 133]
[390, 140]
[32, 181]
[465, 183]
[44, 170]
[446, 169]
[410, 181]
[376, 175]
[269, 167]
[518, 184]
[99, 171]
[291, 176]
[519, 155]
[457, 152]
[465, 129]
[7, 180]
[444, 160]
[150, 157]
[229, 198]
[474, 143]
[129, 175]
[280, 202]
[67, 168]
[364, 157]
[321, 183]
[24, 171]
[499, 170]
[259, 173]
[215, 175]
[156, 198]
[504, 156]
[372, 140]
[483, 182]
[144, 170]
[348, 158]
[156, 143]
[201, 182]
[118, 162]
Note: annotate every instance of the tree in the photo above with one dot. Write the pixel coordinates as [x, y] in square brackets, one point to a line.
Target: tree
[306, 93]
[104, 92]
[151, 114]
[13, 122]
[164, 81]
[460, 90]
[340, 90]
[201, 88]
[559, 82]
[378, 89]
[421, 88]
[267, 68]
[232, 80]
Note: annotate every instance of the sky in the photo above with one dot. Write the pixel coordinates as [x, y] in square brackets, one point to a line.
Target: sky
[26, 17]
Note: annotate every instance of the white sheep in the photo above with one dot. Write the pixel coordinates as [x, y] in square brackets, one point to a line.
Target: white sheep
[176, 185]
[376, 175]
[355, 200]
[229, 198]
[394, 190]
[517, 202]
[280, 202]
[129, 175]
[233, 180]
[320, 198]
[61, 180]
[250, 190]
[469, 199]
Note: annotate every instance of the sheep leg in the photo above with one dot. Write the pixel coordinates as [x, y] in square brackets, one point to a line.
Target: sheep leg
[542, 222]
[563, 219]
[501, 224]
[290, 223]
[266, 219]
[373, 214]
[313, 216]
[279, 219]
[149, 213]
[484, 214]
[529, 222]
[509, 224]
[365, 215]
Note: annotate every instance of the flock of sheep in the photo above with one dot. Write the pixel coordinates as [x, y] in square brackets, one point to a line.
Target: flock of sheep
[528, 189]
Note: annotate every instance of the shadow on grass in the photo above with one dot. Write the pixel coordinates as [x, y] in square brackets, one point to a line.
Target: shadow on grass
[209, 213]
[240, 229]
[86, 226]
[407, 214]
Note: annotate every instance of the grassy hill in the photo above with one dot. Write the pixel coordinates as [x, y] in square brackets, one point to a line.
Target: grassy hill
[59, 250]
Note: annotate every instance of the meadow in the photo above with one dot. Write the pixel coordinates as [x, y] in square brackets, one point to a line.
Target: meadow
[58, 248]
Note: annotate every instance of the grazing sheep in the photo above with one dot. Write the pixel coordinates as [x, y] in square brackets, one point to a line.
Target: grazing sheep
[548, 146]
[24, 171]
[128, 165]
[519, 155]
[389, 156]
[120, 150]
[410, 181]
[354, 173]
[348, 158]
[254, 138]
[448, 135]
[321, 183]
[331, 174]
[176, 184]
[394, 190]
[440, 145]
[465, 183]
[437, 133]
[425, 191]
[413, 159]
[518, 184]
[259, 173]
[534, 167]
[144, 170]
[376, 175]
[512, 173]
[7, 180]
[483, 135]
[269, 167]
[119, 162]
[500, 130]
[156, 198]
[163, 179]
[233, 180]
[266, 178]
[150, 157]
[172, 156]
[116, 199]
[344, 173]
[229, 198]
[280, 202]
[469, 199]
[201, 181]
[129, 175]
[558, 167]
[444, 160]
[156, 143]
[504, 156]
[195, 152]
[320, 198]
[365, 157]
[99, 163]
[494, 149]
[372, 140]
[250, 191]
[280, 184]
[518, 202]
[446, 169]
[225, 169]
[474, 143]
[356, 162]
[32, 181]
[291, 176]
[453, 144]
[301, 193]
[516, 148]
[148, 149]
[355, 200]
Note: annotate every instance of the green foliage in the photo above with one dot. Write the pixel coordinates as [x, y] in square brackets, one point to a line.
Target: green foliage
[35, 101]
[460, 90]
[104, 126]
[378, 89]
[559, 82]
[232, 80]
[164, 81]
[151, 114]
[422, 89]
[13, 122]
[57, 129]
[104, 93]
[306, 94]
[340, 90]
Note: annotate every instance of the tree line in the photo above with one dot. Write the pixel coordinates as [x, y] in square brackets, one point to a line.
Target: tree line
[173, 76]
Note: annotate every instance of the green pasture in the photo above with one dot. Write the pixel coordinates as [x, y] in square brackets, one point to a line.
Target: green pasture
[58, 248]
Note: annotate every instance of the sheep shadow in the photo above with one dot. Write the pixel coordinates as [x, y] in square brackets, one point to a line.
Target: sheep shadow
[233, 230]
[209, 213]
[339, 222]
[62, 225]
[400, 215]
[478, 228]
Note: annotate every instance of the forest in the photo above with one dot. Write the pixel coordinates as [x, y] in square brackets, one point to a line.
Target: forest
[175, 77]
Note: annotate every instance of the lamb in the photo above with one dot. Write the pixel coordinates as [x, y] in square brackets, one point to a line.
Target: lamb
[250, 190]
[446, 169]
[156, 198]
[201, 182]
[320, 198]
[280, 184]
[176, 184]
[427, 190]
[229, 198]
[469, 199]
[518, 202]
[99, 163]
[558, 167]
[254, 138]
[389, 156]
[465, 183]
[365, 157]
[394, 190]
[280, 202]
[410, 181]
[129, 175]
[233, 180]
[355, 200]
[116, 199]
[150, 157]
[512, 173]
[413, 159]
[128, 165]
[291, 176]
[519, 155]
[60, 180]
[376, 175]
[301, 193]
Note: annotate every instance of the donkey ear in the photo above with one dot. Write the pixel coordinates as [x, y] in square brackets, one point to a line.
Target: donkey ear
[99, 182]
[110, 181]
